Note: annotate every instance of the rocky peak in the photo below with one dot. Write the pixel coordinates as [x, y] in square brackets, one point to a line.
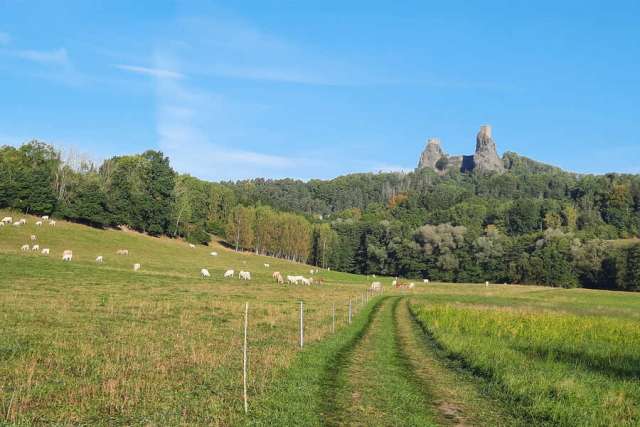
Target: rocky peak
[486, 157]
[431, 154]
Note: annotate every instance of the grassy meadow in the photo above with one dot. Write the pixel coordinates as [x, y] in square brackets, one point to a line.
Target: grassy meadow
[100, 344]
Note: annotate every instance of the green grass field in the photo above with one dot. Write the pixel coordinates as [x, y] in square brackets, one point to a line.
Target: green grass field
[100, 344]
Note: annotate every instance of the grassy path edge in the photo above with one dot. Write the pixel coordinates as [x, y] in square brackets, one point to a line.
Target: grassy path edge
[300, 397]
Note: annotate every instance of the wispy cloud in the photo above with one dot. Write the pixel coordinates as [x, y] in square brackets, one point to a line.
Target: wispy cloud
[51, 57]
[5, 39]
[232, 48]
[198, 130]
[149, 71]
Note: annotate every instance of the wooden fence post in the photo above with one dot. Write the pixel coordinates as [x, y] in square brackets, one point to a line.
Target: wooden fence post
[301, 324]
[244, 364]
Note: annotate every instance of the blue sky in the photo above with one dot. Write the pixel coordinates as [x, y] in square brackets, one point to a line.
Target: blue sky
[319, 89]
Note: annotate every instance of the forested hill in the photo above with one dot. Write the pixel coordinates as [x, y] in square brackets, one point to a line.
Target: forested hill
[531, 223]
[360, 190]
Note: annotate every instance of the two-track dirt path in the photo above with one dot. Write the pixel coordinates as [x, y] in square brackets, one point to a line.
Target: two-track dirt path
[392, 376]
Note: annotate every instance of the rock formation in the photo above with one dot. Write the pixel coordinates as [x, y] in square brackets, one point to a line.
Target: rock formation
[431, 154]
[485, 159]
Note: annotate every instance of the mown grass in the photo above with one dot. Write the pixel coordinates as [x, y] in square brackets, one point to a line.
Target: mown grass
[551, 359]
[84, 343]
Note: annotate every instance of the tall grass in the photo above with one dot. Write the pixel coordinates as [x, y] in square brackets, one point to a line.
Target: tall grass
[557, 368]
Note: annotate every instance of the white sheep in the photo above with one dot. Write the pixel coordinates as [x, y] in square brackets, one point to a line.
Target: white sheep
[266, 265]
[7, 220]
[136, 267]
[38, 223]
[214, 253]
[1, 224]
[35, 248]
[45, 251]
[204, 272]
[22, 221]
[67, 255]
[99, 259]
[17, 224]
[244, 275]
[24, 248]
[45, 217]
[33, 238]
[191, 245]
[52, 223]
[229, 273]
[376, 286]
[412, 285]
[122, 252]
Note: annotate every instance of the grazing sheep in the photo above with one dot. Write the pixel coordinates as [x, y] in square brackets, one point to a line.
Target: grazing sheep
[293, 280]
[376, 286]
[279, 279]
[7, 220]
[486, 284]
[306, 281]
[275, 274]
[35, 248]
[52, 223]
[214, 254]
[33, 237]
[204, 272]
[191, 245]
[45, 251]
[1, 224]
[122, 252]
[412, 285]
[266, 265]
[244, 275]
[136, 267]
[22, 221]
[17, 224]
[38, 223]
[229, 273]
[311, 271]
[45, 217]
[67, 255]
[99, 259]
[394, 282]
[24, 248]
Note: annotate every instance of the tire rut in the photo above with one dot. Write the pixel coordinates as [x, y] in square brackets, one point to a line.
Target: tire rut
[372, 384]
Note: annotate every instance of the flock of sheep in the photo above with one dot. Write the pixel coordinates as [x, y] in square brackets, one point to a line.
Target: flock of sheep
[67, 254]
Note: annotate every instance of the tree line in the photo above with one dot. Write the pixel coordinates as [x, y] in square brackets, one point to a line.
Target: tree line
[533, 224]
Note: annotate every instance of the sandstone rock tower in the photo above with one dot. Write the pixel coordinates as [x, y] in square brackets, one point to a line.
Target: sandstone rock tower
[484, 160]
[431, 154]
[486, 157]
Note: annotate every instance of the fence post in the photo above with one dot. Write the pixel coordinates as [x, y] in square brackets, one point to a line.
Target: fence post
[244, 364]
[333, 319]
[349, 310]
[301, 324]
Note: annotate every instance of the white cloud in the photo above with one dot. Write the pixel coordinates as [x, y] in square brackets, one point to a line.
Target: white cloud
[199, 132]
[5, 39]
[52, 57]
[154, 72]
